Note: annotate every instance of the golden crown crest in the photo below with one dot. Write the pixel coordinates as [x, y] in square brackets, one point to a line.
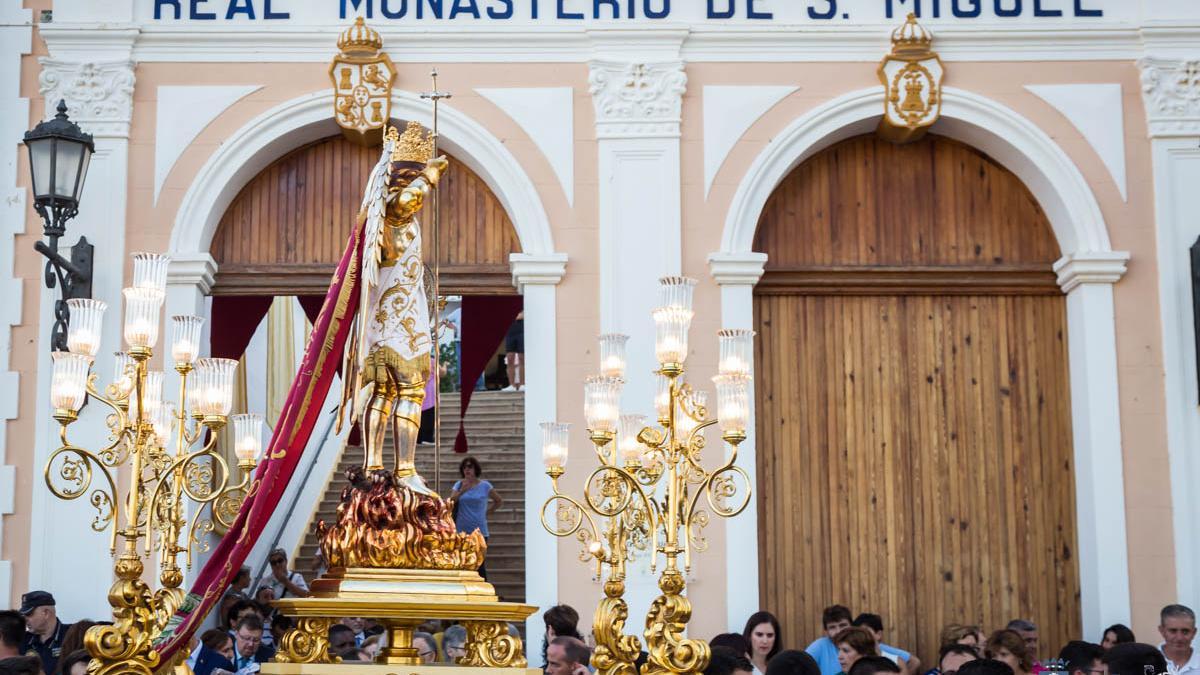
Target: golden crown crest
[360, 38]
[411, 146]
[911, 37]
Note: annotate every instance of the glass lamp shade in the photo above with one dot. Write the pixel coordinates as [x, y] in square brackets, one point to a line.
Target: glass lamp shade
[59, 154]
[554, 444]
[247, 434]
[142, 307]
[671, 334]
[676, 292]
[214, 384]
[83, 333]
[736, 347]
[612, 354]
[662, 395]
[68, 381]
[733, 402]
[164, 422]
[151, 397]
[601, 403]
[684, 424]
[185, 338]
[628, 428]
[123, 373]
[150, 271]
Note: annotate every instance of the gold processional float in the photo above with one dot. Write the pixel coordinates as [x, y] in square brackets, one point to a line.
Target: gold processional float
[394, 553]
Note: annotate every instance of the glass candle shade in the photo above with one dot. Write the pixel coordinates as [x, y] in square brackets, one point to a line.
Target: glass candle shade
[68, 382]
[628, 428]
[733, 402]
[601, 403]
[676, 292]
[671, 334]
[612, 354]
[83, 332]
[662, 395]
[124, 370]
[214, 383]
[684, 424]
[151, 397]
[142, 307]
[554, 444]
[736, 347]
[247, 434]
[150, 271]
[164, 423]
[185, 338]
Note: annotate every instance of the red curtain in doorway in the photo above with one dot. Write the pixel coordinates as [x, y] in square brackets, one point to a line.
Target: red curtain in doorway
[485, 321]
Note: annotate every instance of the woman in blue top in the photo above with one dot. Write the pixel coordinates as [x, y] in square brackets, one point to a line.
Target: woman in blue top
[474, 500]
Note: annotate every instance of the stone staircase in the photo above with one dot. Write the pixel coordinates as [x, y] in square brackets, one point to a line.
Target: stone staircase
[495, 423]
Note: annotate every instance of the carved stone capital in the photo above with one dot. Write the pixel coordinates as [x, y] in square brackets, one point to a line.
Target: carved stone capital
[637, 100]
[1171, 89]
[99, 95]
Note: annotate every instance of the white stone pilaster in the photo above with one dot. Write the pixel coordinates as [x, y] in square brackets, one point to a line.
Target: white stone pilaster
[736, 274]
[1103, 555]
[15, 40]
[1171, 91]
[536, 278]
[99, 97]
[638, 107]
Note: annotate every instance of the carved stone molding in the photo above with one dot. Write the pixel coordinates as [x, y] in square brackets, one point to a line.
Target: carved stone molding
[1171, 89]
[99, 95]
[637, 100]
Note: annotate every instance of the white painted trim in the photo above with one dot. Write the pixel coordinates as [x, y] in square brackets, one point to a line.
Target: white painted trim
[1087, 271]
[15, 41]
[1097, 111]
[537, 278]
[737, 274]
[1176, 163]
[729, 110]
[306, 118]
[726, 42]
[547, 115]
[183, 112]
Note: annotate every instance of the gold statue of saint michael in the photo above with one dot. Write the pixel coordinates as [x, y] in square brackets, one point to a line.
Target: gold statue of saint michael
[389, 355]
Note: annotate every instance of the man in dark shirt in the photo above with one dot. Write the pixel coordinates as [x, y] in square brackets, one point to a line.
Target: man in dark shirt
[44, 631]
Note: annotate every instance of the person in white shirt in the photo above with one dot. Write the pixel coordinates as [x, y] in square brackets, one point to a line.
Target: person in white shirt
[284, 582]
[1177, 626]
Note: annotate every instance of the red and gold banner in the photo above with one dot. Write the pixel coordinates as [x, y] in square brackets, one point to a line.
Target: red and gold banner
[322, 356]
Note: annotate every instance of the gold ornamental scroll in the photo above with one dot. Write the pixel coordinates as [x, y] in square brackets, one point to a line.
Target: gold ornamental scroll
[912, 77]
[362, 76]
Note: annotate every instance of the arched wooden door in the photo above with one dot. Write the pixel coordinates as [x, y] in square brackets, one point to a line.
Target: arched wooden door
[285, 231]
[914, 435]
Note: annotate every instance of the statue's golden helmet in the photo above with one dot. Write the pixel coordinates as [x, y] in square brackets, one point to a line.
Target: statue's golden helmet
[410, 152]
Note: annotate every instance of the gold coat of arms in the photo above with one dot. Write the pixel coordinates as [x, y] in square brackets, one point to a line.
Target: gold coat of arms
[912, 76]
[362, 77]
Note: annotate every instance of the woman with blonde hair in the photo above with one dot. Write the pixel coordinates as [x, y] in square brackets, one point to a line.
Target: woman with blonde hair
[1009, 647]
[959, 634]
[853, 644]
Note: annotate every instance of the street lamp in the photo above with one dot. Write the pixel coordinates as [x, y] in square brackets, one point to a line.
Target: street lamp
[59, 153]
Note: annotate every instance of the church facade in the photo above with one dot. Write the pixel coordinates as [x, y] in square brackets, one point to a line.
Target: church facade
[976, 362]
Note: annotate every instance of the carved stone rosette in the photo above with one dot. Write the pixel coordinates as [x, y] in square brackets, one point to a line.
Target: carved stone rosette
[308, 642]
[1171, 90]
[99, 95]
[490, 646]
[637, 99]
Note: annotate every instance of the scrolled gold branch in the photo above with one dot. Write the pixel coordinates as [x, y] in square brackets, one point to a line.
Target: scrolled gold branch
[80, 473]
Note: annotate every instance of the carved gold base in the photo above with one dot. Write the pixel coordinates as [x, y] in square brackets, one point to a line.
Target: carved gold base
[401, 600]
[380, 669]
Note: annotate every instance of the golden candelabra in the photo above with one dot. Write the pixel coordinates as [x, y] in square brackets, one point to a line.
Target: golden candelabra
[648, 486]
[158, 444]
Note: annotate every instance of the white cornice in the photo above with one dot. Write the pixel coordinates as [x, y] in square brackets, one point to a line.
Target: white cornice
[737, 269]
[99, 94]
[196, 269]
[637, 99]
[1093, 267]
[733, 42]
[537, 269]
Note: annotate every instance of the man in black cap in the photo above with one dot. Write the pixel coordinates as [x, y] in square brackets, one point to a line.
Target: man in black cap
[45, 632]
